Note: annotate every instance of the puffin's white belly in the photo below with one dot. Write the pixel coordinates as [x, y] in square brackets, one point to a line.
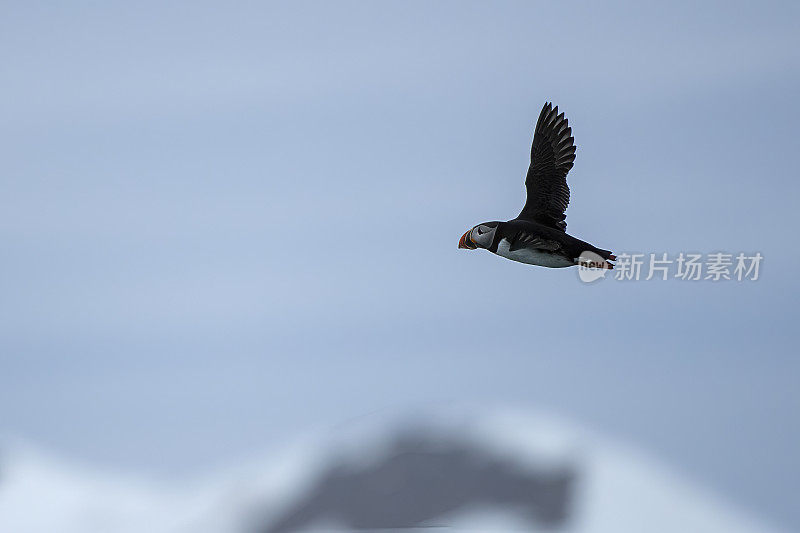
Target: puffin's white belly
[532, 257]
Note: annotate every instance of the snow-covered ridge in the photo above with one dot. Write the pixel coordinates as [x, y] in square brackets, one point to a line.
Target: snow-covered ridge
[467, 471]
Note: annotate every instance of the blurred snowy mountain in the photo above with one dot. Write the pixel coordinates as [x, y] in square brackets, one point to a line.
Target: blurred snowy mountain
[463, 472]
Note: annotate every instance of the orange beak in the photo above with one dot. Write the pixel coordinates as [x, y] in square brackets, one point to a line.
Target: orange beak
[466, 242]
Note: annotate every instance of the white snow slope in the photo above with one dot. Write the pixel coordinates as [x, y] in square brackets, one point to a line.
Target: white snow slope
[619, 490]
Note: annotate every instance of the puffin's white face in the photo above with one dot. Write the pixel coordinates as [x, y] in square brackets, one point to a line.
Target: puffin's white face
[481, 236]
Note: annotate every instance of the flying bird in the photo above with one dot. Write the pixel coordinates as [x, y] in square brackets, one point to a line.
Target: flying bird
[538, 235]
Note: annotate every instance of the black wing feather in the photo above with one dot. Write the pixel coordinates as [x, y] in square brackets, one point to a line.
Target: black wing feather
[552, 155]
[524, 239]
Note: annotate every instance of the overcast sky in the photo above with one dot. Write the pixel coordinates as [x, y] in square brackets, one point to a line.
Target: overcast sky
[224, 223]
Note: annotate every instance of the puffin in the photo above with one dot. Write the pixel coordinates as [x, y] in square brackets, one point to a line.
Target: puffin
[538, 235]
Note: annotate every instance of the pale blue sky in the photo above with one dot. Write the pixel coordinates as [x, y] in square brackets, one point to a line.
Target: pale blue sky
[222, 223]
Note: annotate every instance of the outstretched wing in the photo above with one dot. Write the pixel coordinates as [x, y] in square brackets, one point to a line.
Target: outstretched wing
[552, 155]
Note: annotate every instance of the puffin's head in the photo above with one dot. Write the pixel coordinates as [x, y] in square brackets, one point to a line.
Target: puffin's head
[481, 236]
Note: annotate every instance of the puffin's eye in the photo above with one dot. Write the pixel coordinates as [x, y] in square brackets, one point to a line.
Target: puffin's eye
[481, 230]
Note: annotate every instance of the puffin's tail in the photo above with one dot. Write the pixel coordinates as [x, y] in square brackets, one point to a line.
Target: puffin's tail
[608, 256]
[605, 254]
[594, 260]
